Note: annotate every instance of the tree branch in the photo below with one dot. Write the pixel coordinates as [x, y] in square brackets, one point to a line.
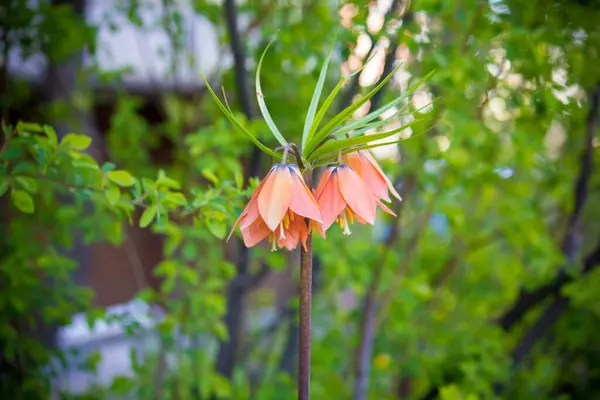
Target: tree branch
[572, 241]
[550, 315]
[235, 293]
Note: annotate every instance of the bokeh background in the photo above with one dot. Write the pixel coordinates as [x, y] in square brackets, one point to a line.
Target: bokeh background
[484, 286]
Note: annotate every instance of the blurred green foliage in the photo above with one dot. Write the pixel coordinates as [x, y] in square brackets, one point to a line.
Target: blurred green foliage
[488, 181]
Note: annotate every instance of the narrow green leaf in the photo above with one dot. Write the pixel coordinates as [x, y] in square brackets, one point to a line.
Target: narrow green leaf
[329, 158]
[348, 111]
[121, 178]
[360, 123]
[23, 201]
[148, 216]
[314, 102]
[226, 102]
[342, 144]
[238, 125]
[327, 104]
[112, 195]
[261, 101]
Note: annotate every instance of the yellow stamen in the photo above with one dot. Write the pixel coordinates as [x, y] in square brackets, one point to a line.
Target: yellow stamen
[281, 233]
[346, 228]
[291, 215]
[350, 216]
[271, 237]
[340, 222]
[286, 221]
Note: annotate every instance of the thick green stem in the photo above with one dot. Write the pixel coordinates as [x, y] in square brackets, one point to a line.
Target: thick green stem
[305, 307]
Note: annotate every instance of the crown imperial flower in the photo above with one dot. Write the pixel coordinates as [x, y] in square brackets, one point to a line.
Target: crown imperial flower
[277, 210]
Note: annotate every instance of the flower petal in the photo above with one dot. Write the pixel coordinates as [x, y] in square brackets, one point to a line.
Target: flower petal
[385, 208]
[369, 174]
[323, 180]
[331, 203]
[317, 227]
[275, 197]
[367, 154]
[303, 203]
[304, 232]
[252, 212]
[242, 215]
[356, 194]
[255, 233]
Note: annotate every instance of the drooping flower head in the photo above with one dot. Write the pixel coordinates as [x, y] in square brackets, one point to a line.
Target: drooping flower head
[371, 173]
[277, 210]
[343, 196]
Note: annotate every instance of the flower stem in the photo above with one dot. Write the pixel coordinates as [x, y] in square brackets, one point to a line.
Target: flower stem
[305, 307]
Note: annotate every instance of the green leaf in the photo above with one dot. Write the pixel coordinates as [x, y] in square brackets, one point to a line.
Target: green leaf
[261, 101]
[164, 180]
[121, 178]
[23, 201]
[208, 174]
[107, 167]
[148, 216]
[347, 112]
[27, 183]
[11, 152]
[217, 228]
[176, 198]
[25, 168]
[76, 142]
[220, 330]
[365, 122]
[29, 127]
[112, 195]
[121, 385]
[343, 144]
[238, 125]
[51, 133]
[4, 185]
[86, 161]
[329, 100]
[314, 102]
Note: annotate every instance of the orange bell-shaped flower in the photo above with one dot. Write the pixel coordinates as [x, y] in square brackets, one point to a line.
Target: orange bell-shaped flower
[371, 173]
[277, 209]
[343, 196]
